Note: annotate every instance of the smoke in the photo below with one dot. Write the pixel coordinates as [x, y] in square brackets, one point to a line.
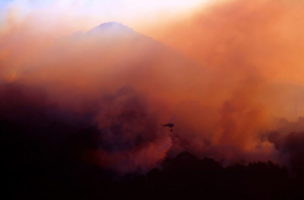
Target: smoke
[241, 73]
[109, 78]
[253, 49]
[288, 140]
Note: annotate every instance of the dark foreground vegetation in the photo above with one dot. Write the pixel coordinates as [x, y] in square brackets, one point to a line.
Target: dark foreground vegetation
[34, 172]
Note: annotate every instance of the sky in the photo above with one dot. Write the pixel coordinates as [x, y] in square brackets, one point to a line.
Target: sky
[91, 12]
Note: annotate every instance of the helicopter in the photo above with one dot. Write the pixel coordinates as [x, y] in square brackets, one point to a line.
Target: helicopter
[169, 125]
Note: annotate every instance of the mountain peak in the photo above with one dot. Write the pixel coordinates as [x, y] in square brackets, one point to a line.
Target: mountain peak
[113, 27]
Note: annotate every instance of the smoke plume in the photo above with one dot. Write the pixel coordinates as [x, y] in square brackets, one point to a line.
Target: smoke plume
[224, 76]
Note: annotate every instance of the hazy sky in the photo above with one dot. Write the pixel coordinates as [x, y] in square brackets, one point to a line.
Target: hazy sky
[93, 12]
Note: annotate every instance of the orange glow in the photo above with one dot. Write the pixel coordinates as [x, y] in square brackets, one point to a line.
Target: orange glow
[224, 75]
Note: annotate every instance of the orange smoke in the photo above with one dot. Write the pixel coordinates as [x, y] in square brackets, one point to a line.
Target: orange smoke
[254, 50]
[223, 95]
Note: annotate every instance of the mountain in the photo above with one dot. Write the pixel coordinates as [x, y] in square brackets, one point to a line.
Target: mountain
[113, 51]
[113, 27]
